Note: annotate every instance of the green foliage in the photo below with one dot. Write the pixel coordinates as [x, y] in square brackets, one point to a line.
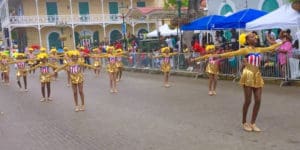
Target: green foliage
[173, 3]
[292, 1]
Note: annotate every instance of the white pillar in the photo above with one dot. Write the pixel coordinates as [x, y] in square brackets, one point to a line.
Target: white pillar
[148, 27]
[38, 23]
[40, 36]
[8, 26]
[131, 4]
[73, 35]
[133, 28]
[72, 24]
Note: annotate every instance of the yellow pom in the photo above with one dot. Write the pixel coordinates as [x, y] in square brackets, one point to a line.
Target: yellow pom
[109, 48]
[53, 50]
[242, 39]
[165, 49]
[66, 48]
[119, 50]
[19, 55]
[42, 56]
[209, 48]
[30, 49]
[95, 49]
[43, 49]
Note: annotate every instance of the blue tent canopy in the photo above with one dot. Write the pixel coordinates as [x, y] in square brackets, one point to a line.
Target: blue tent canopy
[204, 23]
[239, 19]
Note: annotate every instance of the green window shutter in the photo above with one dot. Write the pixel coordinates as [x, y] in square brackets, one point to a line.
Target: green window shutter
[77, 38]
[51, 8]
[141, 4]
[270, 5]
[226, 9]
[84, 8]
[113, 8]
[51, 11]
[84, 11]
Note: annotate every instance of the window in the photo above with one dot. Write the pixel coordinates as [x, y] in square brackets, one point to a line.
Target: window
[141, 4]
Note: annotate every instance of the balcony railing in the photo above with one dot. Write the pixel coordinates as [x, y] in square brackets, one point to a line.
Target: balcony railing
[70, 19]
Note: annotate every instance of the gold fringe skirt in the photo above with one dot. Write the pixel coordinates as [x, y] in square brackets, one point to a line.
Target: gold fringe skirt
[251, 77]
[119, 64]
[21, 73]
[45, 78]
[212, 69]
[76, 78]
[4, 69]
[97, 64]
[165, 67]
[111, 68]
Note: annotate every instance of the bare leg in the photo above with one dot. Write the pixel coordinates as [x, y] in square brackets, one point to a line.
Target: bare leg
[257, 98]
[80, 88]
[114, 83]
[215, 82]
[19, 82]
[48, 89]
[75, 94]
[43, 89]
[111, 81]
[247, 97]
[210, 82]
[25, 81]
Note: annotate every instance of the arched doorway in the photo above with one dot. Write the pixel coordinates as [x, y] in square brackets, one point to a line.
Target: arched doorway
[115, 35]
[54, 41]
[269, 5]
[141, 33]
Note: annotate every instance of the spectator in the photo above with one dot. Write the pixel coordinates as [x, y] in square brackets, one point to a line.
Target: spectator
[284, 51]
[270, 38]
[234, 39]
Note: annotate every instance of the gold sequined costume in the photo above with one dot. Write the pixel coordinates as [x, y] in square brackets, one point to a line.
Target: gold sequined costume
[251, 75]
[75, 70]
[212, 68]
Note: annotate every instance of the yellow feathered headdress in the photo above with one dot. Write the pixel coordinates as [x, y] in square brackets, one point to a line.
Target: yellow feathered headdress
[53, 50]
[66, 49]
[209, 48]
[165, 49]
[42, 56]
[109, 48]
[119, 50]
[74, 53]
[43, 50]
[18, 55]
[95, 49]
[242, 39]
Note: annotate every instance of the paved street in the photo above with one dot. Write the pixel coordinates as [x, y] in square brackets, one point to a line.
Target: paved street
[145, 116]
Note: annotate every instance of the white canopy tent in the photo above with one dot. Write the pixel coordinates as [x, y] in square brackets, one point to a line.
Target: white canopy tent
[283, 18]
[164, 31]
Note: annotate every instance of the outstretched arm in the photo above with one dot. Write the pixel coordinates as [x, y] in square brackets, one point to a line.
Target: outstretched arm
[239, 52]
[61, 68]
[269, 49]
[202, 57]
[34, 67]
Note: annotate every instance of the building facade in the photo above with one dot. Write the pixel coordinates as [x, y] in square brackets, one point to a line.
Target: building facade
[69, 23]
[226, 7]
